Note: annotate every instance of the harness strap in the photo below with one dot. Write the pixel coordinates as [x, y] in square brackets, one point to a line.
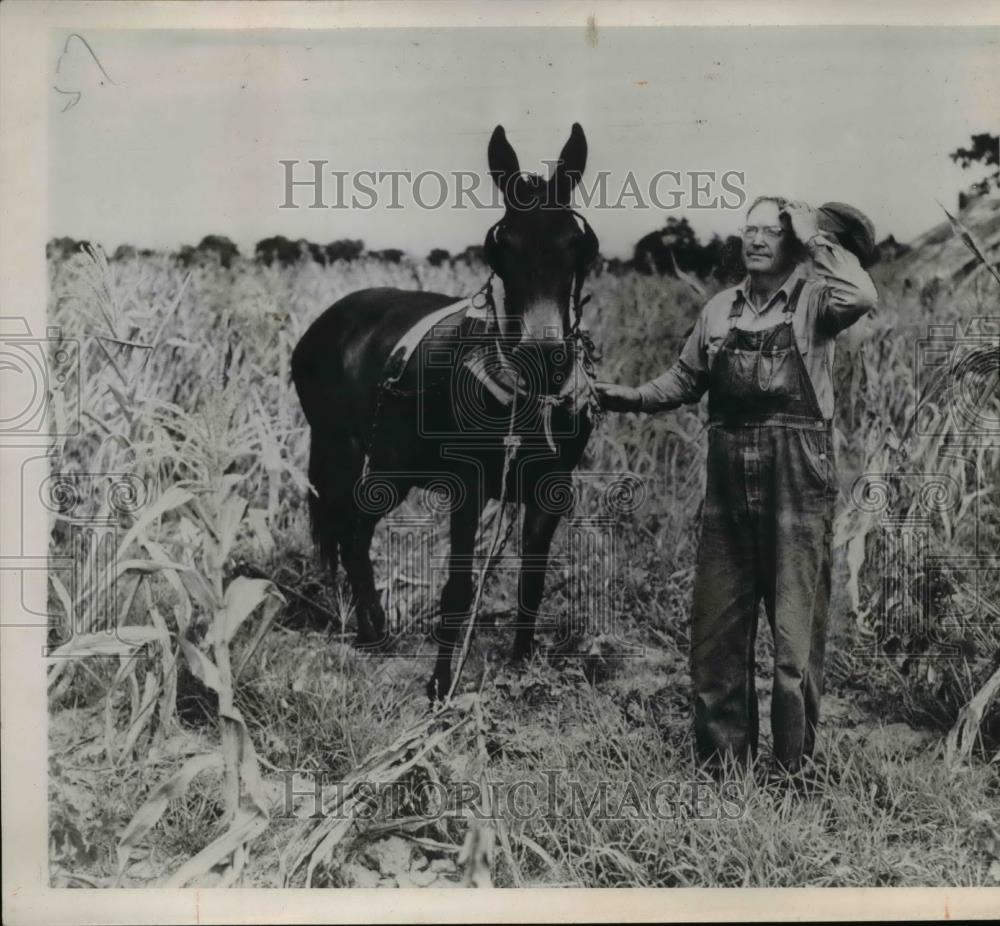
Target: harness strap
[492, 368]
[400, 355]
[502, 392]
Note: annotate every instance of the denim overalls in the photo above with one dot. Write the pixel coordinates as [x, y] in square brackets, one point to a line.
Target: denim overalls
[766, 534]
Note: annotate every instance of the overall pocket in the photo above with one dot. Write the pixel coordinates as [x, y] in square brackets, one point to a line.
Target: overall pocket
[776, 375]
[817, 455]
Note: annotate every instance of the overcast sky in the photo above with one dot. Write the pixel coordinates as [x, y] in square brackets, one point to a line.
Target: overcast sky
[186, 137]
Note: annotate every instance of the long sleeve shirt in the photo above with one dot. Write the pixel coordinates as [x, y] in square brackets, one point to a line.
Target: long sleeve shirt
[837, 293]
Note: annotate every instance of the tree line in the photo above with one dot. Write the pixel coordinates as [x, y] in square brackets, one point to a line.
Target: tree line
[675, 247]
[672, 249]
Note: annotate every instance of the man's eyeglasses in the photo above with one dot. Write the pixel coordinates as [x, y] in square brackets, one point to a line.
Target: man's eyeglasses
[770, 232]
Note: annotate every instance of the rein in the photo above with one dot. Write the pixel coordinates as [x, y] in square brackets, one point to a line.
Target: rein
[512, 443]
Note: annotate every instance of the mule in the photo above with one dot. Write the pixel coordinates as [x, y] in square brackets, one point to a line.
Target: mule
[446, 422]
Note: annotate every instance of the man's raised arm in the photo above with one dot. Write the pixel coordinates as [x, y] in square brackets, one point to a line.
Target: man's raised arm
[851, 293]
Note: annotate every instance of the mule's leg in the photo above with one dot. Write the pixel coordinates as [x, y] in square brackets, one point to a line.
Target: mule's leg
[358, 515]
[335, 461]
[536, 537]
[355, 545]
[456, 596]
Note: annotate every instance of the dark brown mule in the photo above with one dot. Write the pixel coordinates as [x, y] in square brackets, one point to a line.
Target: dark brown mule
[444, 425]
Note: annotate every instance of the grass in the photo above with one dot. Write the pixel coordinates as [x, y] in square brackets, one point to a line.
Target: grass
[205, 406]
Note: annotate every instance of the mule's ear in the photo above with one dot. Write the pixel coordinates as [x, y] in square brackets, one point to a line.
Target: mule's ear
[570, 167]
[502, 159]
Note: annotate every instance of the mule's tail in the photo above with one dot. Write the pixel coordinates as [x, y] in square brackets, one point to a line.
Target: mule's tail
[321, 526]
[316, 383]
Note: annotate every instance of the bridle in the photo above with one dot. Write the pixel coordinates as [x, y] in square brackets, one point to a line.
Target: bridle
[588, 250]
[580, 339]
[508, 389]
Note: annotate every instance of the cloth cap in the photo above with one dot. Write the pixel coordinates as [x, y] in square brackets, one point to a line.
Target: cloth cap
[852, 228]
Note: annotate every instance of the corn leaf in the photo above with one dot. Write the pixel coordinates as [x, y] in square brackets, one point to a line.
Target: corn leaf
[968, 239]
[172, 498]
[124, 642]
[247, 826]
[147, 816]
[243, 597]
[199, 590]
[229, 524]
[201, 666]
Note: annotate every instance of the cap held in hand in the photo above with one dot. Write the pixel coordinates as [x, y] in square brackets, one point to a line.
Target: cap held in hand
[852, 229]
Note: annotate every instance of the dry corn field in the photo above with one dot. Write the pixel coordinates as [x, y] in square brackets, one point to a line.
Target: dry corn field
[211, 724]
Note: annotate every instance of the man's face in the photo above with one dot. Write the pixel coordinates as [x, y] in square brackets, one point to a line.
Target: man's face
[767, 240]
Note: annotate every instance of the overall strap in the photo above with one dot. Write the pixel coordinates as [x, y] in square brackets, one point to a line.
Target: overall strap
[809, 390]
[736, 311]
[793, 299]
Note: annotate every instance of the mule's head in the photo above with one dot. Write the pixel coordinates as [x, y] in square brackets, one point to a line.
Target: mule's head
[540, 249]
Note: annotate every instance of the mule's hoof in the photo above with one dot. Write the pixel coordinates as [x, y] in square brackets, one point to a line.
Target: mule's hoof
[370, 640]
[519, 655]
[369, 643]
[437, 689]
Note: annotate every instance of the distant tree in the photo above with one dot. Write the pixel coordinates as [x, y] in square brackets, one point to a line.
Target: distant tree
[676, 247]
[308, 250]
[221, 247]
[706, 260]
[652, 253]
[889, 249]
[186, 255]
[730, 268]
[389, 255]
[676, 241]
[473, 254]
[276, 248]
[61, 248]
[983, 152]
[124, 252]
[346, 249]
[438, 256]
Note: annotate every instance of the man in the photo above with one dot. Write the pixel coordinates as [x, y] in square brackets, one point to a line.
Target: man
[764, 352]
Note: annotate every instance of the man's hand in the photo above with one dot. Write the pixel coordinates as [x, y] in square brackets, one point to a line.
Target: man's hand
[803, 220]
[615, 398]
